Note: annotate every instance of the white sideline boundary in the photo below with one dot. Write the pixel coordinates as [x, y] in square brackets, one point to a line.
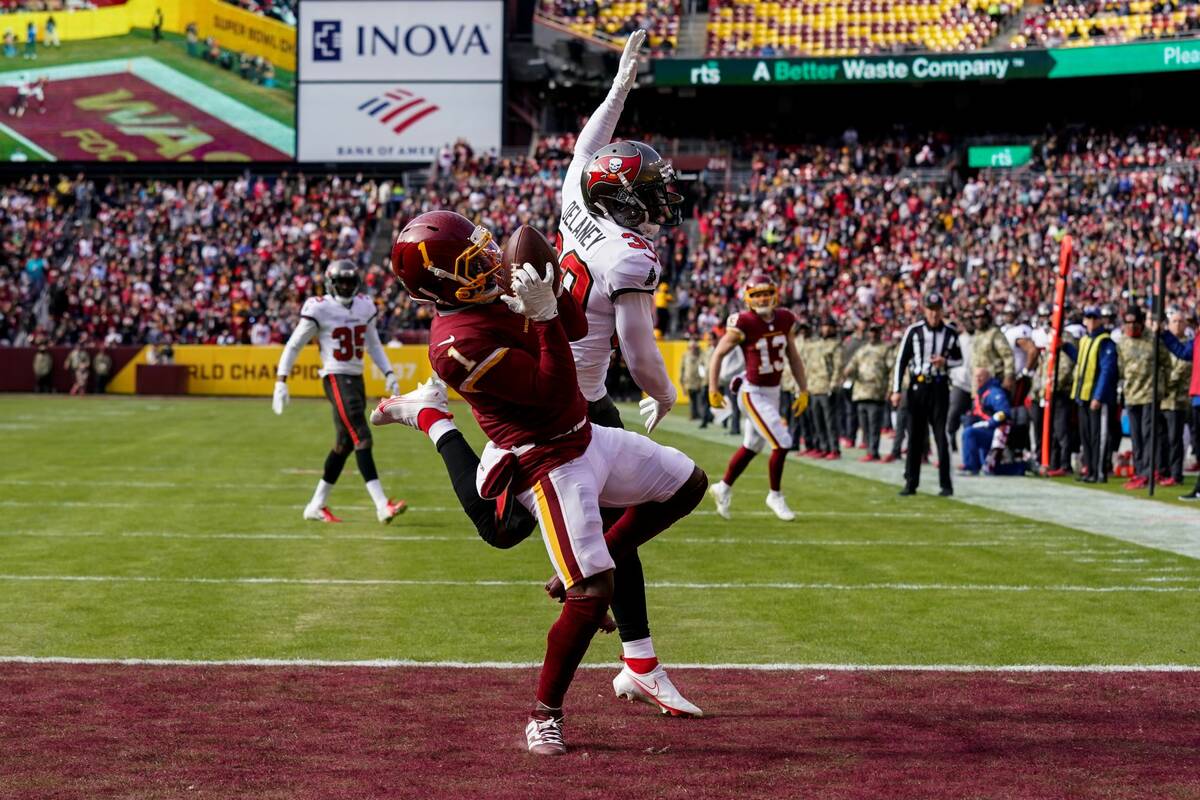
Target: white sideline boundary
[730, 585]
[399, 663]
[1135, 520]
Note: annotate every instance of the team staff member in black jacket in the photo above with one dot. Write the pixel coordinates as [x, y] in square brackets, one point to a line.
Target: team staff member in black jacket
[928, 350]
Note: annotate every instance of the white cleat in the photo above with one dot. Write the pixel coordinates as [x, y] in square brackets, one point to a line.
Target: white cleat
[320, 514]
[656, 689]
[777, 503]
[723, 494]
[390, 510]
[405, 408]
[545, 737]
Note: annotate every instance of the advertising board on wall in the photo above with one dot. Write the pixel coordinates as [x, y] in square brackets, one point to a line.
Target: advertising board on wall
[398, 81]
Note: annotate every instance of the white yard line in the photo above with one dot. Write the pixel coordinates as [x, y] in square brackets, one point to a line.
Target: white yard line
[688, 540]
[1135, 520]
[702, 586]
[399, 663]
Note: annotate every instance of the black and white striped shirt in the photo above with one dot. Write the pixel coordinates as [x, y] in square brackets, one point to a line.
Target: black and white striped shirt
[920, 344]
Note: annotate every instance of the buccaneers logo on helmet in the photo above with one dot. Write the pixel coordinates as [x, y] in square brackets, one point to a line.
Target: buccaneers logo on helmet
[621, 170]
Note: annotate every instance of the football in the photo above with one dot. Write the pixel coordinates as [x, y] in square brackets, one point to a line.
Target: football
[528, 246]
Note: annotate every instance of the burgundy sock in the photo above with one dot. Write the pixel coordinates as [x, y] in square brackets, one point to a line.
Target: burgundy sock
[427, 416]
[737, 464]
[775, 468]
[640, 524]
[566, 645]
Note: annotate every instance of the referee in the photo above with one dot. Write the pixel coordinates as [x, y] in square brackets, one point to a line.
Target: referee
[928, 351]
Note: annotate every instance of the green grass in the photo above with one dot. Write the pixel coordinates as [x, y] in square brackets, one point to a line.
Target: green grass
[278, 103]
[162, 488]
[10, 146]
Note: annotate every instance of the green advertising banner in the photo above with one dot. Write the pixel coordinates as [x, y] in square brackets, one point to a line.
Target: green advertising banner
[999, 157]
[997, 66]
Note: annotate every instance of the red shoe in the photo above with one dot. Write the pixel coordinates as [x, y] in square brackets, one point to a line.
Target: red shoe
[889, 458]
[868, 458]
[1056, 473]
[1138, 482]
[846, 442]
[832, 456]
[814, 454]
[393, 509]
[322, 514]
[1167, 481]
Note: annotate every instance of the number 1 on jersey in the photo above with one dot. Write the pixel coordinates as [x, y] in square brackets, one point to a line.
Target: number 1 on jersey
[770, 354]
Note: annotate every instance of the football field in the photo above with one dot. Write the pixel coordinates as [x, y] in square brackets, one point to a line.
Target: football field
[877, 646]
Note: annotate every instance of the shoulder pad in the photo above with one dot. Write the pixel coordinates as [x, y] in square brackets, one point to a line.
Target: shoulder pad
[630, 270]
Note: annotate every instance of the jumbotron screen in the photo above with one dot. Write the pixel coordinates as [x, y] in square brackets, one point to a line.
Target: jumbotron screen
[194, 80]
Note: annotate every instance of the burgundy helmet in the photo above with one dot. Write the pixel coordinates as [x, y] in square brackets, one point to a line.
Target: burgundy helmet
[443, 258]
[761, 292]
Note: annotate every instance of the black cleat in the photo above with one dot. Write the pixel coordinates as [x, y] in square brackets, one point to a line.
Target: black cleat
[946, 493]
[1191, 496]
[907, 491]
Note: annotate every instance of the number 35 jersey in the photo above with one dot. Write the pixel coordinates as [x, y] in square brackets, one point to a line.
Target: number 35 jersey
[764, 343]
[600, 261]
[341, 332]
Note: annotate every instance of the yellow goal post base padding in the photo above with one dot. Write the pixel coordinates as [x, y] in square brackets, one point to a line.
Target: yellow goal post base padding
[247, 370]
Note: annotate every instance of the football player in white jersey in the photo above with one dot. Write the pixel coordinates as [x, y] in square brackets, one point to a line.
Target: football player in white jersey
[615, 198]
[344, 323]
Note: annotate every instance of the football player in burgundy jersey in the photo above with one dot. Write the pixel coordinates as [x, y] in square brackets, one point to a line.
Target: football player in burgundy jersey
[343, 322]
[766, 335]
[512, 363]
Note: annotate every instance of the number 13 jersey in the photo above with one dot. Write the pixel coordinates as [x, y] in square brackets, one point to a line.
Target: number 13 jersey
[600, 261]
[764, 343]
[341, 332]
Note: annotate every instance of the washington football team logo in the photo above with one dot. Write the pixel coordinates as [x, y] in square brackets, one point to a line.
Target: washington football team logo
[611, 169]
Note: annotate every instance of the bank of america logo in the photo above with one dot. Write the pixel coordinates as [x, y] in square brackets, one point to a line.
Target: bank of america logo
[398, 109]
[327, 40]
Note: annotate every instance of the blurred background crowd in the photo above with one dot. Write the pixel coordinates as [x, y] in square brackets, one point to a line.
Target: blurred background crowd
[854, 229]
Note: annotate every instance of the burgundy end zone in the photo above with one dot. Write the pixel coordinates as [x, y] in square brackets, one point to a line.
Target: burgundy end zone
[219, 732]
[124, 118]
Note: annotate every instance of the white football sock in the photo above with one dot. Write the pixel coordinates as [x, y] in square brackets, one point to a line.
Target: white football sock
[375, 489]
[772, 494]
[320, 497]
[639, 648]
[440, 428]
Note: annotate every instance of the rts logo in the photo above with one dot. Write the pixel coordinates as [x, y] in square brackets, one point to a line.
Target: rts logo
[327, 40]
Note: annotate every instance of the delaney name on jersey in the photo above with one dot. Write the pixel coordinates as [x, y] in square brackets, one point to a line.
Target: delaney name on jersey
[581, 225]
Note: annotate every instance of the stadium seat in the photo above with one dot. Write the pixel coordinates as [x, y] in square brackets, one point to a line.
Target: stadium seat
[852, 27]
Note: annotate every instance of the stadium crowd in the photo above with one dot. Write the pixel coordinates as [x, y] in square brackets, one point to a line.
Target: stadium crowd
[857, 233]
[852, 229]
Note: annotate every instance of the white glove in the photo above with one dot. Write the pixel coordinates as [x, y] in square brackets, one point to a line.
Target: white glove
[627, 71]
[392, 383]
[281, 398]
[533, 295]
[983, 423]
[653, 411]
